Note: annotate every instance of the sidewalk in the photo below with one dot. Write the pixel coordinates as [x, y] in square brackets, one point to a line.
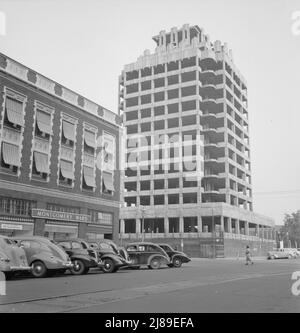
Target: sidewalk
[229, 258]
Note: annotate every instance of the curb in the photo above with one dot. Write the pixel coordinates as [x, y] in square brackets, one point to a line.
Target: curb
[229, 258]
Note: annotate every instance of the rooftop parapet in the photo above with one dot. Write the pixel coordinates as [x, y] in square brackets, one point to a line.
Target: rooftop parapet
[181, 43]
[53, 88]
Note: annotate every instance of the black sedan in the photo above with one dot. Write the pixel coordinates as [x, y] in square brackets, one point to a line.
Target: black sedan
[176, 257]
[109, 254]
[82, 257]
[148, 254]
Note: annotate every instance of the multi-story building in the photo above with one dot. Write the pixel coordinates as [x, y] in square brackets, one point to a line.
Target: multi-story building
[59, 159]
[187, 164]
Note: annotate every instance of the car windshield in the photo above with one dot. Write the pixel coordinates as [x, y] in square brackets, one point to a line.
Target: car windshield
[77, 245]
[65, 245]
[166, 247]
[84, 245]
[131, 248]
[106, 246]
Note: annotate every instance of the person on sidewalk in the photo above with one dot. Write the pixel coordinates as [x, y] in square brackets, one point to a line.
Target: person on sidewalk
[248, 256]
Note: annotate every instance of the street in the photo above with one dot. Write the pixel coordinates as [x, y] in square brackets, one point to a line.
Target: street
[203, 285]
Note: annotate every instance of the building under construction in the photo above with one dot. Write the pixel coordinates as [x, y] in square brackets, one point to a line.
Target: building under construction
[187, 174]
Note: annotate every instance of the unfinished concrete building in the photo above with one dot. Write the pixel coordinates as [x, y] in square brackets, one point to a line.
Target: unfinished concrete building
[187, 173]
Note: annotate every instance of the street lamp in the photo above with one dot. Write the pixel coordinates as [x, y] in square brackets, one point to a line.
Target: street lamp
[143, 210]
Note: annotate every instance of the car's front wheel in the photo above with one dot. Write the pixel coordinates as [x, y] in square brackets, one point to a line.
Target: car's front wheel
[177, 262]
[78, 267]
[39, 270]
[108, 266]
[154, 263]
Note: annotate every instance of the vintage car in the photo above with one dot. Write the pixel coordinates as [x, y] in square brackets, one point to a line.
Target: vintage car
[44, 257]
[148, 254]
[294, 252]
[176, 257]
[82, 256]
[280, 254]
[109, 253]
[12, 258]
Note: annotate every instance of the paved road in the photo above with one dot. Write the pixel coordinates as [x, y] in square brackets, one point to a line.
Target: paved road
[203, 285]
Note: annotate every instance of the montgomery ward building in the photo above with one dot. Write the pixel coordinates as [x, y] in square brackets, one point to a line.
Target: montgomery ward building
[59, 159]
[187, 177]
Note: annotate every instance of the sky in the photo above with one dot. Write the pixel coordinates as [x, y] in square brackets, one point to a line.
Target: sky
[84, 45]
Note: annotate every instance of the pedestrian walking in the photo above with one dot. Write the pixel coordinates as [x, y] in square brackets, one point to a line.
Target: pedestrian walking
[248, 256]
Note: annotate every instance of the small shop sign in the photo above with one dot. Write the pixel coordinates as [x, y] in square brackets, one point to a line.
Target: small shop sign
[11, 226]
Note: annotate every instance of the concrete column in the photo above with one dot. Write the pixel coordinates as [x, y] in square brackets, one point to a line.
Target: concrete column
[138, 226]
[166, 225]
[213, 224]
[237, 226]
[199, 223]
[257, 230]
[262, 231]
[122, 226]
[246, 228]
[229, 219]
[222, 224]
[181, 229]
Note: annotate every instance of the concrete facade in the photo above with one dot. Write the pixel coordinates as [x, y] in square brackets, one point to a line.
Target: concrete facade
[187, 152]
[54, 180]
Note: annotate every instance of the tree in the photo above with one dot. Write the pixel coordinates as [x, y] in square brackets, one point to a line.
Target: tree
[290, 231]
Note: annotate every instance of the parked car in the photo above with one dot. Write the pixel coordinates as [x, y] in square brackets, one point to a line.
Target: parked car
[295, 253]
[280, 254]
[44, 257]
[176, 257]
[82, 256]
[12, 258]
[109, 253]
[148, 254]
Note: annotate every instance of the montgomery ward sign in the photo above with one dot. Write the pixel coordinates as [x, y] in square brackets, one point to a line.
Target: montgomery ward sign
[62, 216]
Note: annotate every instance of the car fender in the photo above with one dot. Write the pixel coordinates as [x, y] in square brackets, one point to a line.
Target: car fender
[87, 261]
[38, 257]
[113, 257]
[182, 257]
[163, 258]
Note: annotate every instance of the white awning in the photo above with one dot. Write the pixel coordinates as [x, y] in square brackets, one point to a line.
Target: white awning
[68, 130]
[14, 111]
[90, 139]
[66, 169]
[41, 162]
[43, 121]
[89, 177]
[11, 154]
[108, 181]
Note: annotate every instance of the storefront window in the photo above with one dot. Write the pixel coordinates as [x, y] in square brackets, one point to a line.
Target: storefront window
[100, 217]
[16, 206]
[65, 209]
